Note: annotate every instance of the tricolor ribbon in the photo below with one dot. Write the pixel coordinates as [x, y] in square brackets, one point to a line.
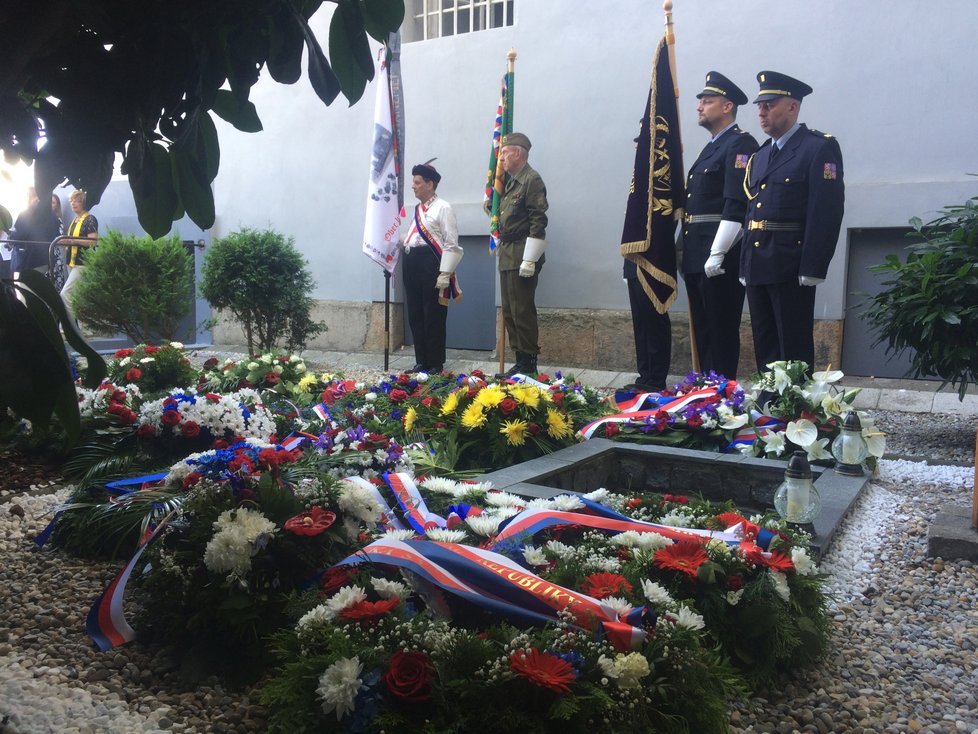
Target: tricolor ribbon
[520, 379]
[322, 412]
[106, 623]
[412, 505]
[495, 583]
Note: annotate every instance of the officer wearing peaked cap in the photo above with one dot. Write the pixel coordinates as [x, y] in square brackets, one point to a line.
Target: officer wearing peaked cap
[796, 198]
[712, 227]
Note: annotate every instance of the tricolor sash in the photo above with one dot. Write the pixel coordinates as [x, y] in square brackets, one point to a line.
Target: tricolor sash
[412, 505]
[454, 291]
[493, 582]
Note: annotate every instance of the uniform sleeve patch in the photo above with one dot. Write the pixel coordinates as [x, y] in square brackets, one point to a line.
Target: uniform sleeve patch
[741, 160]
[829, 172]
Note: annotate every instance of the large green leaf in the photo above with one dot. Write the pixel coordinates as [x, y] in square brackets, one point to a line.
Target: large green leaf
[382, 17]
[321, 76]
[350, 50]
[153, 190]
[241, 114]
[285, 46]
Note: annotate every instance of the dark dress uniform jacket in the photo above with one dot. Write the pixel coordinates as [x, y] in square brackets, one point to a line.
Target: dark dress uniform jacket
[715, 185]
[522, 214]
[803, 186]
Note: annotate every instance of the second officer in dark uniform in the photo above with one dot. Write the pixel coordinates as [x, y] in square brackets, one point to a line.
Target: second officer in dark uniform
[715, 209]
[794, 214]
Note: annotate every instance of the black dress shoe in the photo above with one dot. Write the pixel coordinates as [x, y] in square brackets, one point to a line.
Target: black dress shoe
[436, 370]
[417, 368]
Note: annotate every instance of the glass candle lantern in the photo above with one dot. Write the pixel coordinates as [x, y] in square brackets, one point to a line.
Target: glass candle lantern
[797, 500]
[849, 447]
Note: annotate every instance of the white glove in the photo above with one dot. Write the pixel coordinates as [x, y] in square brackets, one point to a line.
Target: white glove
[527, 269]
[809, 280]
[743, 281]
[727, 235]
[443, 280]
[712, 265]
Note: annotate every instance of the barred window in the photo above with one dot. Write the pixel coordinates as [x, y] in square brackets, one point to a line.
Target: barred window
[440, 18]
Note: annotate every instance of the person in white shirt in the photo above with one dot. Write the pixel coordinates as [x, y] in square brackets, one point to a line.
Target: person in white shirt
[431, 256]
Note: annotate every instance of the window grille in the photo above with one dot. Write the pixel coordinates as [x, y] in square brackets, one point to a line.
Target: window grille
[440, 18]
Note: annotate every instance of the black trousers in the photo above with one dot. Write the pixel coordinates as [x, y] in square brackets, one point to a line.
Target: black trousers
[426, 317]
[653, 337]
[716, 305]
[782, 316]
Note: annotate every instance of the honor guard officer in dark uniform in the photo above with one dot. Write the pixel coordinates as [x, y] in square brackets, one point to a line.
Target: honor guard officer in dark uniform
[712, 227]
[794, 213]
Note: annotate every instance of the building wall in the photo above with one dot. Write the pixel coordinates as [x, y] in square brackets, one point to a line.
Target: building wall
[896, 83]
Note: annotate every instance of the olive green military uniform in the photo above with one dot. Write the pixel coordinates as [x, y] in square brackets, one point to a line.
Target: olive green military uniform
[522, 214]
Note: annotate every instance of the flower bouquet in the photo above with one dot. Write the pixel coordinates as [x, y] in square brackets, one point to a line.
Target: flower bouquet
[154, 369]
[202, 418]
[285, 374]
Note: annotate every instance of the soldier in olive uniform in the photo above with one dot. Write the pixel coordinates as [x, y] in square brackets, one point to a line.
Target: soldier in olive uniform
[795, 204]
[523, 232]
[715, 209]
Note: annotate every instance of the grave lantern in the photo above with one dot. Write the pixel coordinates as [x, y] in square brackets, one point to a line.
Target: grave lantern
[849, 447]
[797, 500]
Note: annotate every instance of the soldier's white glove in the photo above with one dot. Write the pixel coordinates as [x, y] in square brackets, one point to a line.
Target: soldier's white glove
[532, 251]
[527, 269]
[809, 280]
[727, 235]
[743, 281]
[443, 281]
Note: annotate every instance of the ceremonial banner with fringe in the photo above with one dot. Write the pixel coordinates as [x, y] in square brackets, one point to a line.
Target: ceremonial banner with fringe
[657, 190]
[503, 125]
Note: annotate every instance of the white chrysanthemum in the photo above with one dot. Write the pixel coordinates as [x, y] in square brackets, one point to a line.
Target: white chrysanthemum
[631, 669]
[504, 499]
[733, 597]
[559, 549]
[802, 562]
[442, 535]
[539, 503]
[618, 604]
[338, 686]
[598, 495]
[251, 522]
[125, 361]
[689, 619]
[229, 551]
[627, 539]
[608, 666]
[657, 594]
[534, 556]
[485, 524]
[479, 487]
[801, 432]
[405, 534]
[567, 503]
[358, 502]
[718, 547]
[652, 541]
[345, 597]
[441, 485]
[780, 584]
[389, 589]
[677, 519]
[147, 360]
[317, 615]
[370, 397]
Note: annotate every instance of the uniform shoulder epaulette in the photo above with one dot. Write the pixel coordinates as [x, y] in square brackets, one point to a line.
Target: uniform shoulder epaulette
[820, 134]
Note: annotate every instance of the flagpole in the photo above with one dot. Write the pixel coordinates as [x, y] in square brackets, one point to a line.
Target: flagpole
[694, 353]
[511, 73]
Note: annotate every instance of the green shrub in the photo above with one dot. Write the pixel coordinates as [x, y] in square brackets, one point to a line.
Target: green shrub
[930, 304]
[264, 282]
[137, 285]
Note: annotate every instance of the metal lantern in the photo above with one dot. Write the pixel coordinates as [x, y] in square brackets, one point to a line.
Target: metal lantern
[797, 500]
[849, 447]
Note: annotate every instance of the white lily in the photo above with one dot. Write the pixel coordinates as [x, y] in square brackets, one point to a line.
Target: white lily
[782, 380]
[774, 442]
[817, 450]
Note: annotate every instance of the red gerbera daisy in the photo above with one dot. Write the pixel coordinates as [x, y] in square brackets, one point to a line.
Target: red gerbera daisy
[685, 555]
[727, 519]
[778, 561]
[368, 611]
[603, 585]
[312, 522]
[543, 669]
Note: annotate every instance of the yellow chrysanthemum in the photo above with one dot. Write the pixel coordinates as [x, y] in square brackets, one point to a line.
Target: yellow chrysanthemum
[409, 418]
[306, 383]
[557, 425]
[451, 404]
[327, 377]
[490, 397]
[526, 395]
[515, 432]
[473, 417]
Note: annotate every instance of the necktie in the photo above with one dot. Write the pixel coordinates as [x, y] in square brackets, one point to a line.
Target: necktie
[774, 150]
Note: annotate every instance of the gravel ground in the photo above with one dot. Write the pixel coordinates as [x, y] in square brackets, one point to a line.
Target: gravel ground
[904, 658]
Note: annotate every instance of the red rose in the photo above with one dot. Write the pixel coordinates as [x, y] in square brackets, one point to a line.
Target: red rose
[191, 479]
[121, 353]
[243, 383]
[633, 503]
[190, 429]
[478, 373]
[271, 378]
[534, 429]
[114, 408]
[679, 499]
[334, 579]
[127, 417]
[735, 583]
[430, 402]
[403, 379]
[212, 362]
[220, 443]
[240, 464]
[543, 377]
[146, 432]
[398, 395]
[152, 350]
[611, 430]
[439, 425]
[558, 398]
[119, 396]
[133, 374]
[170, 417]
[408, 676]
[169, 401]
[313, 522]
[507, 406]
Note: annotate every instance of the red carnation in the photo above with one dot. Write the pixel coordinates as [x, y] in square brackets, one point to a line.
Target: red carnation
[268, 458]
[679, 499]
[478, 373]
[602, 585]
[334, 579]
[146, 432]
[735, 583]
[558, 398]
[190, 429]
[191, 479]
[127, 417]
[312, 522]
[121, 353]
[403, 379]
[369, 611]
[220, 443]
[170, 417]
[271, 378]
[543, 377]
[685, 556]
[119, 396]
[507, 406]
[133, 374]
[695, 420]
[169, 401]
[543, 669]
[398, 395]
[213, 397]
[408, 676]
[240, 464]
[152, 350]
[611, 430]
